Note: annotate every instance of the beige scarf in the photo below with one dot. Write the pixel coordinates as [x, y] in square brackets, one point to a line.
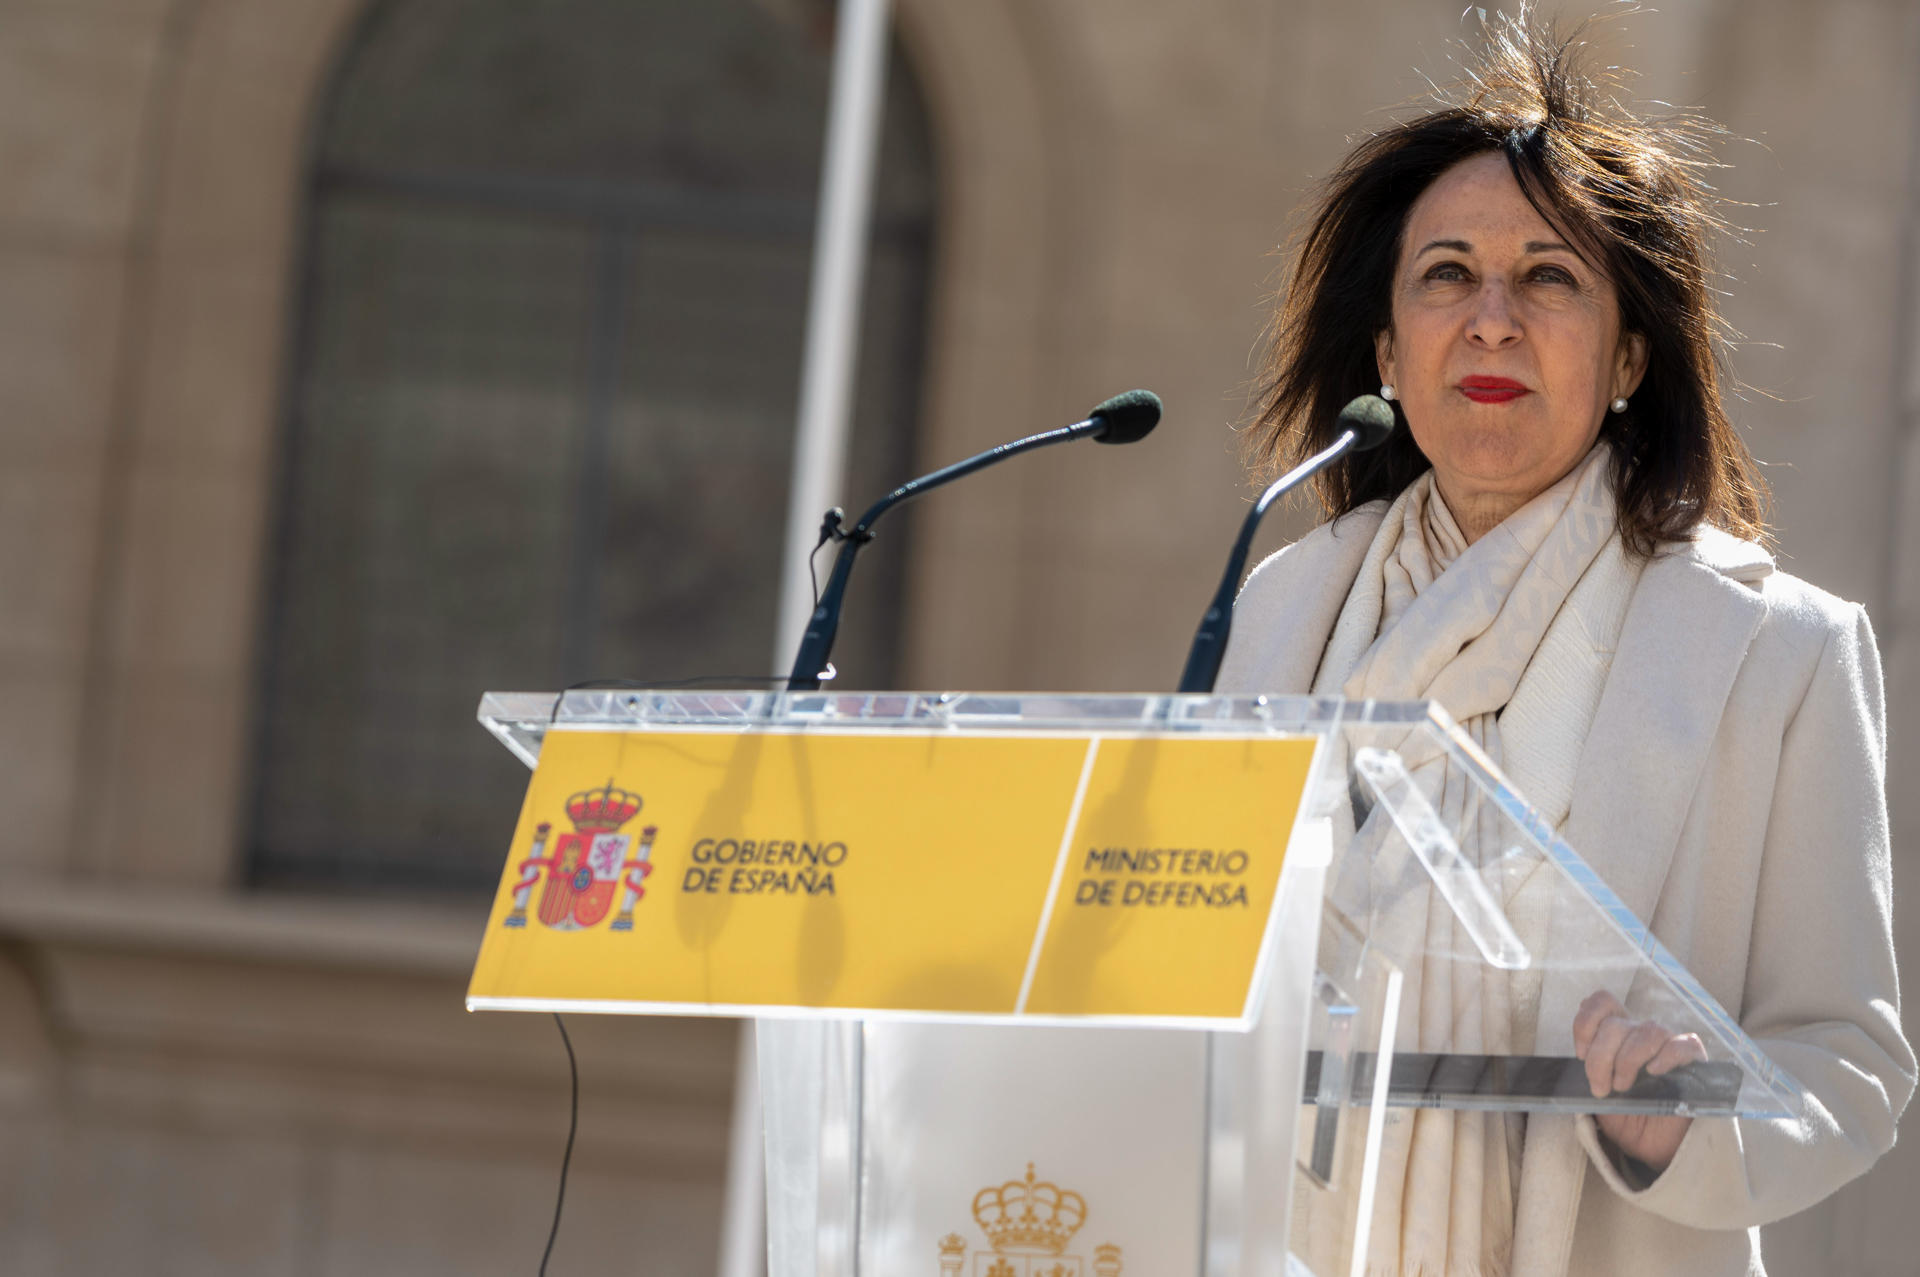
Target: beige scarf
[1513, 635]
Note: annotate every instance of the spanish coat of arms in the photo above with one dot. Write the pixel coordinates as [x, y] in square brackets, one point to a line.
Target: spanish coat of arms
[1030, 1226]
[586, 865]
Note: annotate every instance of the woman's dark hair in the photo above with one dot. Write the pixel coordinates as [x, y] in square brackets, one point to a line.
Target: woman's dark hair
[1626, 193]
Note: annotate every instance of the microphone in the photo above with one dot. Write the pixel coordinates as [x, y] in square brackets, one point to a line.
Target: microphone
[1121, 419]
[1366, 422]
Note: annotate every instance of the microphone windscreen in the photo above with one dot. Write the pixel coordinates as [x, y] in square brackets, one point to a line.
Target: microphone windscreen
[1370, 418]
[1128, 417]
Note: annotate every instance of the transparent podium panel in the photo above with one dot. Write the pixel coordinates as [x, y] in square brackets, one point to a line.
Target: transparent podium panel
[1431, 942]
[989, 1149]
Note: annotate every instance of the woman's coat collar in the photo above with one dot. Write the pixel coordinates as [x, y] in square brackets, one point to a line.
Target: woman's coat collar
[1692, 617]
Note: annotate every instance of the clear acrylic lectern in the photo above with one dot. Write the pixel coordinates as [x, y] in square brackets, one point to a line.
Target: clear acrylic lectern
[1432, 941]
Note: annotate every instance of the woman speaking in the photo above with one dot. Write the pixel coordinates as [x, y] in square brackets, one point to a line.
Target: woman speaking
[1562, 548]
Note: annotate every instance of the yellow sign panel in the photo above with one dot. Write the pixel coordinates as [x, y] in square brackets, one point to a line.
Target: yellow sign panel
[937, 873]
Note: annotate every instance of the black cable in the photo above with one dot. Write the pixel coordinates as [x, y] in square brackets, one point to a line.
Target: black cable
[829, 531]
[573, 1125]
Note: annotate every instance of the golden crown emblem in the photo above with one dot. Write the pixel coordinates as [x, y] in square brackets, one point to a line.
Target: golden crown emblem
[1030, 1217]
[602, 810]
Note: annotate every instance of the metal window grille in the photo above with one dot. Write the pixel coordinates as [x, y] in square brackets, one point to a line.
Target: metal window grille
[538, 426]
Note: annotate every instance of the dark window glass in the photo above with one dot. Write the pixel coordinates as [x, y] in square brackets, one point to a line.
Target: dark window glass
[540, 411]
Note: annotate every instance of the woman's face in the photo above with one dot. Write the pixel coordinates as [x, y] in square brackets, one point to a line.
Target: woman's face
[1506, 347]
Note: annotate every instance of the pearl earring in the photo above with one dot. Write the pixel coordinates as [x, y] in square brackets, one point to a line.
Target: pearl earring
[1619, 405]
[1388, 393]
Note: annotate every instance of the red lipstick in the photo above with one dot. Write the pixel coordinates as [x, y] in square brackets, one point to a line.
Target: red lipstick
[1491, 389]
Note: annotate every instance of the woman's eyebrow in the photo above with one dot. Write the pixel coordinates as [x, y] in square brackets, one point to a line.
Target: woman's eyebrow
[1549, 246]
[1453, 245]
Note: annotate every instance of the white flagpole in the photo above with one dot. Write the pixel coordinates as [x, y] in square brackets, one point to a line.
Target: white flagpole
[833, 306]
[743, 1217]
[819, 468]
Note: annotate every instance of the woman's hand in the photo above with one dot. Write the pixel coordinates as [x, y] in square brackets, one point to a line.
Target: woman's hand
[1615, 1048]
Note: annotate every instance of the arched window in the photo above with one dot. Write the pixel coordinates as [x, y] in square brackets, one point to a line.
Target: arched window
[540, 408]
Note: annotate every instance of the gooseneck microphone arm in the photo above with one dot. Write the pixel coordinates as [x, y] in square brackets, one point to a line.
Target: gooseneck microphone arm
[1368, 421]
[824, 624]
[1122, 419]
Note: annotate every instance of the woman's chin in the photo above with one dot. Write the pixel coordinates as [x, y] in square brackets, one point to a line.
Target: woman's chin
[1514, 476]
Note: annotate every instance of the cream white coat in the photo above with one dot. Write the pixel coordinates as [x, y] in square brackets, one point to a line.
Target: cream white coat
[1732, 792]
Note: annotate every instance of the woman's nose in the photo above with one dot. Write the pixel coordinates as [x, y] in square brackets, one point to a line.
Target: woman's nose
[1493, 323]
